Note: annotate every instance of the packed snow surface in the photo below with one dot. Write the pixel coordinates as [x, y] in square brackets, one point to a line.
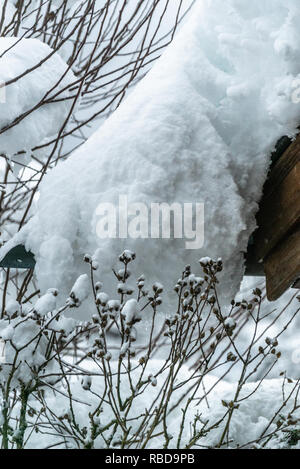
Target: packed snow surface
[46, 303]
[21, 98]
[253, 418]
[199, 128]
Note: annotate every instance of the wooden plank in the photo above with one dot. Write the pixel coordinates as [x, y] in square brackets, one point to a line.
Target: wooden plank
[282, 265]
[284, 165]
[280, 206]
[277, 240]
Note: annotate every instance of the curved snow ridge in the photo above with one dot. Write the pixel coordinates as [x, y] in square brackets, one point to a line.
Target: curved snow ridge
[17, 56]
[199, 128]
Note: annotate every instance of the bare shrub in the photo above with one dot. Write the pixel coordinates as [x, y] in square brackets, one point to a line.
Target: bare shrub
[109, 45]
[132, 377]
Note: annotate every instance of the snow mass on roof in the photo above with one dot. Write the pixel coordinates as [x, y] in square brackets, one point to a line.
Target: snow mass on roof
[200, 127]
[23, 95]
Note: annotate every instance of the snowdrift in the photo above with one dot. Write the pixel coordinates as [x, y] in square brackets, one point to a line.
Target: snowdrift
[199, 128]
[20, 99]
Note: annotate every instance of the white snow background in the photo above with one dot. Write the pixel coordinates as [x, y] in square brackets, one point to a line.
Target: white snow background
[199, 128]
[247, 424]
[22, 97]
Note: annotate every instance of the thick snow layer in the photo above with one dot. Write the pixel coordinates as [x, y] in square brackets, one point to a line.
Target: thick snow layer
[46, 303]
[16, 57]
[199, 128]
[248, 423]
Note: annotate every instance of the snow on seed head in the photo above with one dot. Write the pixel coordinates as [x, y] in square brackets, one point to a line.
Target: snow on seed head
[102, 298]
[131, 312]
[80, 291]
[98, 286]
[158, 288]
[86, 383]
[46, 303]
[127, 256]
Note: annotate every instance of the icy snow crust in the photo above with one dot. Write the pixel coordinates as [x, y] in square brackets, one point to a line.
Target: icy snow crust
[16, 57]
[199, 128]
